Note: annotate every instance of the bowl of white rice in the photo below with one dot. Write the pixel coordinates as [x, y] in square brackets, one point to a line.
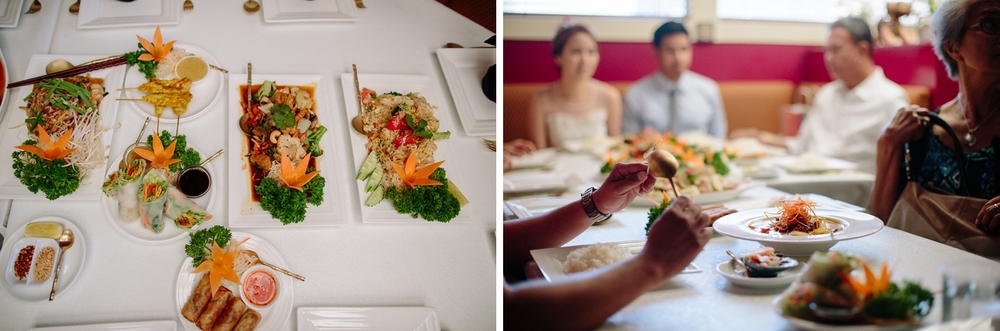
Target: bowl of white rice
[594, 257]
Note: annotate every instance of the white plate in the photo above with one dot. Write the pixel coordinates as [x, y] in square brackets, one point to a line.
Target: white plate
[71, 265]
[284, 11]
[537, 182]
[4, 92]
[464, 69]
[243, 211]
[816, 326]
[275, 316]
[368, 318]
[528, 207]
[204, 93]
[10, 12]
[856, 225]
[113, 13]
[703, 198]
[783, 279]
[384, 212]
[10, 186]
[126, 326]
[550, 260]
[537, 159]
[171, 233]
[795, 166]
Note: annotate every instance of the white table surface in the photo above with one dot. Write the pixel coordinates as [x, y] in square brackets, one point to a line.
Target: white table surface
[450, 267]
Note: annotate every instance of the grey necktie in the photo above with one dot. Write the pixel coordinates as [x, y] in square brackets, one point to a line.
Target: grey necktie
[672, 112]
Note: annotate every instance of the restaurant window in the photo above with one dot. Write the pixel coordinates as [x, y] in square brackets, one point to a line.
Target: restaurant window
[623, 8]
[814, 11]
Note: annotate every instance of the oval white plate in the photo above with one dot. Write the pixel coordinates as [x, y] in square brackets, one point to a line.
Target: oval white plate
[810, 325]
[71, 265]
[135, 231]
[204, 93]
[784, 278]
[273, 318]
[856, 225]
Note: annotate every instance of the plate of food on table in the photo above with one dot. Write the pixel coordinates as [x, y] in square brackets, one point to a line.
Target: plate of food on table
[284, 176]
[558, 262]
[178, 77]
[55, 145]
[31, 256]
[223, 286]
[761, 269]
[842, 291]
[400, 149]
[162, 193]
[798, 227]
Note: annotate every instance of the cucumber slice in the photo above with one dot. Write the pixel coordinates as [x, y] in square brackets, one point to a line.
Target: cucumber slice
[441, 135]
[375, 180]
[369, 166]
[375, 197]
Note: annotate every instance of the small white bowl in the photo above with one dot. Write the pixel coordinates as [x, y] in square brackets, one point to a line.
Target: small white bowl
[784, 278]
[243, 281]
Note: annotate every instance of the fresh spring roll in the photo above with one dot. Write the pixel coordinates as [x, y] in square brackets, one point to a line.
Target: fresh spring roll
[199, 298]
[152, 196]
[249, 321]
[214, 308]
[110, 186]
[185, 213]
[128, 191]
[230, 316]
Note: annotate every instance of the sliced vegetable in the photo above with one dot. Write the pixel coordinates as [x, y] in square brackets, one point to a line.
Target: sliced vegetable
[375, 180]
[266, 90]
[368, 166]
[375, 197]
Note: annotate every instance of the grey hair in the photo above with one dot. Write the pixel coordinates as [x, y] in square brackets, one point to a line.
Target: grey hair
[948, 27]
[858, 30]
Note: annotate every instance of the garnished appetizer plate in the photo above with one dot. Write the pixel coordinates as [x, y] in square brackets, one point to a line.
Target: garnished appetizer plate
[204, 93]
[247, 172]
[96, 136]
[72, 264]
[831, 227]
[401, 91]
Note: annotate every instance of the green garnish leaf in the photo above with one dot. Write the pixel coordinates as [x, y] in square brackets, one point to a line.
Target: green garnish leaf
[200, 246]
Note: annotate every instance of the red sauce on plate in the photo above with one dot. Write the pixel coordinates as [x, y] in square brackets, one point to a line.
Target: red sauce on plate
[260, 288]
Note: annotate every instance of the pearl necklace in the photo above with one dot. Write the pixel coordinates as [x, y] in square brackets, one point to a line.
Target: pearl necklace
[970, 138]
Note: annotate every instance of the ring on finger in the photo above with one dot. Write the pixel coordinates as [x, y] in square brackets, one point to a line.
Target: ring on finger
[996, 206]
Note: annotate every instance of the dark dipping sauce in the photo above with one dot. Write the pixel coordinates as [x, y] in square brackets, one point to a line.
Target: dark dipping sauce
[193, 182]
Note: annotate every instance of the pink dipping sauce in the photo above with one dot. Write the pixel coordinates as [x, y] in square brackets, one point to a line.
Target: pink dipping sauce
[260, 288]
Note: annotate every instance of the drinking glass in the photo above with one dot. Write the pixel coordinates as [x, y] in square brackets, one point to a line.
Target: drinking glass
[970, 290]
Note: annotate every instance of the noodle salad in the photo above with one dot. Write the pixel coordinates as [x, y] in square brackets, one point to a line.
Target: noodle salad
[798, 217]
[64, 135]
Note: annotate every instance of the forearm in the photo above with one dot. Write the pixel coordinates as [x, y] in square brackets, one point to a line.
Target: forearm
[578, 301]
[552, 229]
[890, 179]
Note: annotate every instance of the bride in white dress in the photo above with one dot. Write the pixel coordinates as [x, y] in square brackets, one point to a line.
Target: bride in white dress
[577, 107]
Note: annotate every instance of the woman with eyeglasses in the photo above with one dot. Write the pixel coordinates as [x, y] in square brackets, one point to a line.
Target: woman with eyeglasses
[967, 40]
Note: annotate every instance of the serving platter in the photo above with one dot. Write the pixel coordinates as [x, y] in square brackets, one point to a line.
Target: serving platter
[288, 11]
[114, 13]
[15, 133]
[855, 225]
[204, 93]
[10, 12]
[72, 263]
[367, 318]
[464, 69]
[243, 211]
[550, 260]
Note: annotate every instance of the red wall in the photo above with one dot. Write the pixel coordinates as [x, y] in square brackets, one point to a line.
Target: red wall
[529, 61]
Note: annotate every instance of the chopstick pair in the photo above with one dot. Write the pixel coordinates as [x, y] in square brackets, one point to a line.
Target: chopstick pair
[88, 67]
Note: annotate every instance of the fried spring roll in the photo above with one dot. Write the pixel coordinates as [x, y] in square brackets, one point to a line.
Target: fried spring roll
[249, 321]
[214, 308]
[199, 298]
[230, 315]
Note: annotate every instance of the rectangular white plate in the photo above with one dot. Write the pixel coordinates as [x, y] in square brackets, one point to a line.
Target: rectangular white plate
[527, 182]
[384, 212]
[243, 212]
[795, 164]
[113, 13]
[550, 260]
[14, 134]
[368, 318]
[464, 69]
[126, 326]
[540, 158]
[10, 12]
[284, 11]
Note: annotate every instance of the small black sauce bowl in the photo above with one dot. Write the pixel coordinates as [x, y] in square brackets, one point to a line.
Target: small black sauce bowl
[194, 195]
[756, 270]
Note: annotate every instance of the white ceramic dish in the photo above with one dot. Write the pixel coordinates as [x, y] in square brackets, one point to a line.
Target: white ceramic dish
[464, 69]
[367, 318]
[144, 326]
[288, 11]
[114, 13]
[550, 260]
[737, 278]
[72, 264]
[242, 210]
[534, 206]
[10, 186]
[205, 92]
[38, 244]
[703, 198]
[537, 159]
[384, 212]
[171, 232]
[816, 326]
[10, 12]
[281, 308]
[794, 164]
[243, 280]
[856, 225]
[538, 182]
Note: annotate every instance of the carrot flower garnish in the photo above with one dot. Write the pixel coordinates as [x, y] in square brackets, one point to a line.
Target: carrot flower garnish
[412, 177]
[219, 266]
[296, 177]
[873, 285]
[159, 157]
[157, 50]
[46, 149]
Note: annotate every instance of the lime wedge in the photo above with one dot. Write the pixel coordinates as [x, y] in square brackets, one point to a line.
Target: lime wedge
[43, 230]
[458, 194]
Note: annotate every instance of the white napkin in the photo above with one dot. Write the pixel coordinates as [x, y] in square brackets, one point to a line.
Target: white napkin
[972, 324]
[536, 159]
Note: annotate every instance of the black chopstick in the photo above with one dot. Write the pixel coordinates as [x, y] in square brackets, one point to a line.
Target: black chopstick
[111, 62]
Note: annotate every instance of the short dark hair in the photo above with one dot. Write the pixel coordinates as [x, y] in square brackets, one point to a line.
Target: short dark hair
[667, 29]
[858, 29]
[563, 35]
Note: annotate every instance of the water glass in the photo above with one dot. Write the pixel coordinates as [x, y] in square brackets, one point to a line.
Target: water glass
[970, 290]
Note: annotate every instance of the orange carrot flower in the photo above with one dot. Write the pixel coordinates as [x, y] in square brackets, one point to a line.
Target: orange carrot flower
[219, 266]
[296, 177]
[157, 50]
[412, 177]
[873, 286]
[158, 157]
[46, 149]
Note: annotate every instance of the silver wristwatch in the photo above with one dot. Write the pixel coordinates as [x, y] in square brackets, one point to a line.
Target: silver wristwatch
[587, 200]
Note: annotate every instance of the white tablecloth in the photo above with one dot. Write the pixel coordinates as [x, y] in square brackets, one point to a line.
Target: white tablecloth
[450, 267]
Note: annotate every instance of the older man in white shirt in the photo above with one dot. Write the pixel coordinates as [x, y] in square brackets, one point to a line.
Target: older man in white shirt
[848, 113]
